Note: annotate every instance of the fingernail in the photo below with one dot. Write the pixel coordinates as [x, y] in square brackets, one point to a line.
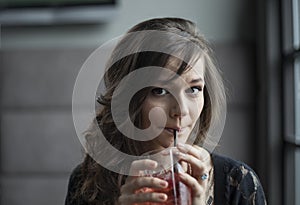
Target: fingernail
[163, 197]
[153, 164]
[164, 184]
[178, 153]
[181, 145]
[181, 175]
[181, 155]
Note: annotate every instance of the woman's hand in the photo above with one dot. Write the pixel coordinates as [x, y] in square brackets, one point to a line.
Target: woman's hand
[137, 189]
[201, 164]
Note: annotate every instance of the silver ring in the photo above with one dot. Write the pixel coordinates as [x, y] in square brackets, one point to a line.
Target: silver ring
[204, 177]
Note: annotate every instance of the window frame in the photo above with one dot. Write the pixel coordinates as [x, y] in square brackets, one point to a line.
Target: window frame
[291, 75]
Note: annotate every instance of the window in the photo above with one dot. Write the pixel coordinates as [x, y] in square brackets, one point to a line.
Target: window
[291, 82]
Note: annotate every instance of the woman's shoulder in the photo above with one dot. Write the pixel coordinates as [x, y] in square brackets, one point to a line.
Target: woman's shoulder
[235, 169]
[236, 180]
[226, 164]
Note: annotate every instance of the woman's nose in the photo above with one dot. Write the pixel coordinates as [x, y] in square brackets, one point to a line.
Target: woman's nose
[179, 107]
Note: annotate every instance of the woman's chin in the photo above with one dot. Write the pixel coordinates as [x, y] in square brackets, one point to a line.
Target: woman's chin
[168, 144]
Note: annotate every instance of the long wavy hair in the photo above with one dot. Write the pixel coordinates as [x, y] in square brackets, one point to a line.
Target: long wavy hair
[98, 185]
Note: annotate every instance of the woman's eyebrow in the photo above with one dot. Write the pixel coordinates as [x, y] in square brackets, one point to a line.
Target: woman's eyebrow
[197, 80]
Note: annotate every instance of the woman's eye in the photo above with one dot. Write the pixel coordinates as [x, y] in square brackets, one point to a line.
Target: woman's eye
[159, 91]
[194, 90]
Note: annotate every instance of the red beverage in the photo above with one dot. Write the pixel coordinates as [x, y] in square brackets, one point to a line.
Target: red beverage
[178, 193]
[168, 168]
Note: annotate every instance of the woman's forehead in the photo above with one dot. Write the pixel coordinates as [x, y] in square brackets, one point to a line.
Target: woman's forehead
[193, 71]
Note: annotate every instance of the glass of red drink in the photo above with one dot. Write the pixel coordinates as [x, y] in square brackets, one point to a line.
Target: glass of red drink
[168, 168]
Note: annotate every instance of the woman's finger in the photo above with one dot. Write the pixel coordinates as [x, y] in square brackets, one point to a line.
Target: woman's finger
[197, 189]
[201, 156]
[194, 150]
[138, 183]
[194, 161]
[191, 160]
[142, 197]
[140, 165]
[200, 168]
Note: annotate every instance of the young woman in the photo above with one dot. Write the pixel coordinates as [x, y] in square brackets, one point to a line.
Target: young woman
[190, 96]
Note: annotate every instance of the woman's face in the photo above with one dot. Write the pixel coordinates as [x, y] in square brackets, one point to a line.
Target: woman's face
[182, 113]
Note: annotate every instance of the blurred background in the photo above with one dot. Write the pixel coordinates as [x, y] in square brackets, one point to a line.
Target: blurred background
[45, 43]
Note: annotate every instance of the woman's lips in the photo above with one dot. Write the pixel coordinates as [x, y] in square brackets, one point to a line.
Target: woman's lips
[171, 130]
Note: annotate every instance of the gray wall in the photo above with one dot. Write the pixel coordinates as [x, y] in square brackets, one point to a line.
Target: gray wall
[39, 147]
[220, 21]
